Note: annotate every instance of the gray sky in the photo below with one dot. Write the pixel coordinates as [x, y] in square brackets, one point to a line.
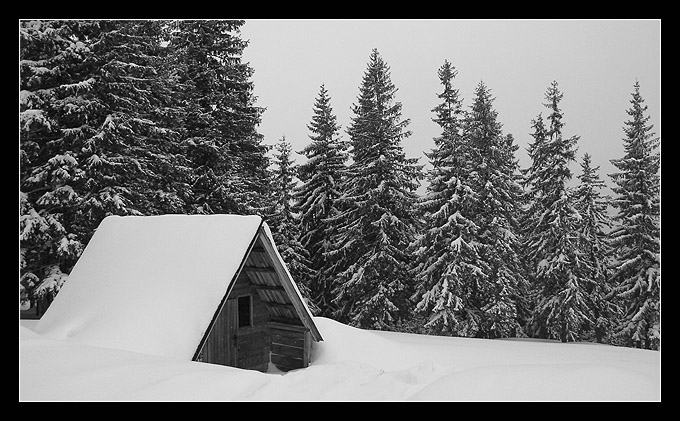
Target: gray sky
[595, 62]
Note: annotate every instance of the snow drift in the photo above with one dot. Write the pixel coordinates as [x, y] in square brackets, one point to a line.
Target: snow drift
[349, 365]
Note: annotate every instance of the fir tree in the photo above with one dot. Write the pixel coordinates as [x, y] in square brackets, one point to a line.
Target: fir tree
[130, 118]
[467, 267]
[446, 255]
[91, 138]
[226, 155]
[133, 148]
[316, 197]
[533, 207]
[562, 304]
[49, 169]
[636, 240]
[378, 220]
[496, 213]
[285, 225]
[593, 245]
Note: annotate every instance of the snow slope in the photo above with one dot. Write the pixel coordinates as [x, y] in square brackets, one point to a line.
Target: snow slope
[349, 365]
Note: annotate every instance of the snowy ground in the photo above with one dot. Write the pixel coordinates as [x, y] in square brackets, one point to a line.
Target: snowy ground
[349, 365]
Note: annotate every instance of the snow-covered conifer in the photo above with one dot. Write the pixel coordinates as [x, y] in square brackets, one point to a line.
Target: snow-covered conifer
[285, 225]
[51, 59]
[227, 157]
[468, 271]
[446, 253]
[317, 194]
[378, 220]
[496, 213]
[100, 128]
[593, 245]
[132, 117]
[635, 240]
[562, 304]
[131, 153]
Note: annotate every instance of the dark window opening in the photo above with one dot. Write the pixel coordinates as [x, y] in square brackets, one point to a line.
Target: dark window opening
[244, 314]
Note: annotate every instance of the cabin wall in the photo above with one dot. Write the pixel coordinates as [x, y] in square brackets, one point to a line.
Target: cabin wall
[215, 349]
[243, 347]
[290, 346]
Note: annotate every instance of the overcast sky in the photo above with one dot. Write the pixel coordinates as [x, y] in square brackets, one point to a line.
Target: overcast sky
[595, 62]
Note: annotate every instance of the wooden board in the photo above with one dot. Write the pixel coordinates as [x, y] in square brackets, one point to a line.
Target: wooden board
[289, 345]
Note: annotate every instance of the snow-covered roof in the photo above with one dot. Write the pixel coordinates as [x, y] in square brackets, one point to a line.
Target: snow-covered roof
[151, 284]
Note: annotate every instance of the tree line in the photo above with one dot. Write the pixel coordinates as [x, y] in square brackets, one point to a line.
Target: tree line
[153, 117]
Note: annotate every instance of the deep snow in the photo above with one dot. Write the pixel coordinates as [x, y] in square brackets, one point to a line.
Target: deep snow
[349, 365]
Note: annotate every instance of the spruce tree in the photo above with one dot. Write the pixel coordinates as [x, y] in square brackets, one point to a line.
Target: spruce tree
[636, 239]
[467, 267]
[92, 139]
[593, 246]
[133, 161]
[562, 305]
[378, 220]
[446, 254]
[130, 118]
[316, 197]
[48, 166]
[496, 213]
[226, 153]
[284, 222]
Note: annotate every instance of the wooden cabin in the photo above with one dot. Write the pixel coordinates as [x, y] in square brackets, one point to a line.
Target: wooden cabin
[209, 288]
[262, 318]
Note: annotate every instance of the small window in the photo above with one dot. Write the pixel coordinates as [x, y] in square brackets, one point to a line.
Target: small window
[244, 313]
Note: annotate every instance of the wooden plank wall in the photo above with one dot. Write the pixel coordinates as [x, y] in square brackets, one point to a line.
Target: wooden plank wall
[251, 349]
[277, 333]
[215, 350]
[290, 346]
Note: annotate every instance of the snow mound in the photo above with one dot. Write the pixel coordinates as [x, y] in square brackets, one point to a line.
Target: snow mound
[150, 284]
[349, 365]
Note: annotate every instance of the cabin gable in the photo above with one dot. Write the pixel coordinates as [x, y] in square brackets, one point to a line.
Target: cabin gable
[277, 327]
